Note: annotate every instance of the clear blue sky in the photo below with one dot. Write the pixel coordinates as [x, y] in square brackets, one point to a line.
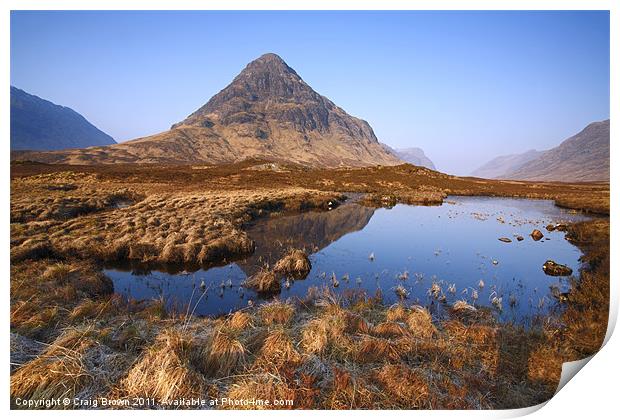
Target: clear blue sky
[464, 86]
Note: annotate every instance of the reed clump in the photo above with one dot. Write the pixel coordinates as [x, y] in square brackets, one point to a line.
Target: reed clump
[295, 264]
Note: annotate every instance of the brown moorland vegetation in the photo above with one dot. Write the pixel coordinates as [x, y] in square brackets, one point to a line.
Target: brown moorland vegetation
[72, 336]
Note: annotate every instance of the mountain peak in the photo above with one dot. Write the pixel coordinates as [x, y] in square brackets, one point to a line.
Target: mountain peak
[268, 63]
[267, 84]
[270, 58]
[266, 112]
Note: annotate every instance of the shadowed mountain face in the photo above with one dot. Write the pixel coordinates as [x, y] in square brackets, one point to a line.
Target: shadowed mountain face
[274, 237]
[267, 112]
[37, 124]
[501, 165]
[582, 157]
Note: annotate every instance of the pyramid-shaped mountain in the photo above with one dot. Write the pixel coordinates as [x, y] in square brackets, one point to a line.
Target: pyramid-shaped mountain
[267, 112]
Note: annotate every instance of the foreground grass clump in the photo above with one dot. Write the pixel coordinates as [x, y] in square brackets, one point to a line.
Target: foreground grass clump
[71, 365]
[164, 371]
[224, 355]
[324, 352]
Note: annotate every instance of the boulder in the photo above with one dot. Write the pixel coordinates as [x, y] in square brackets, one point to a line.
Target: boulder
[519, 238]
[551, 268]
[536, 235]
[505, 240]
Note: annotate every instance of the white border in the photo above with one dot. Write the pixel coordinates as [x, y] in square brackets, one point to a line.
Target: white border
[592, 395]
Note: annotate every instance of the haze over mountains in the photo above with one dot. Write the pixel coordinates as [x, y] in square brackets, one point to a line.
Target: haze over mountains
[267, 112]
[37, 124]
[415, 156]
[502, 165]
[580, 158]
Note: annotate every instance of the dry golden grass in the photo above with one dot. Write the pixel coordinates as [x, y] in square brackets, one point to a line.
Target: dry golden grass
[348, 392]
[265, 282]
[375, 349]
[278, 350]
[328, 334]
[405, 387]
[94, 309]
[420, 323]
[276, 312]
[390, 329]
[240, 321]
[295, 265]
[260, 387]
[323, 353]
[71, 365]
[397, 313]
[545, 365]
[164, 371]
[171, 228]
[58, 372]
[224, 355]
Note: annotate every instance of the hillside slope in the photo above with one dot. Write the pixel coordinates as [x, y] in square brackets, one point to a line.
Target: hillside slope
[501, 165]
[37, 124]
[580, 158]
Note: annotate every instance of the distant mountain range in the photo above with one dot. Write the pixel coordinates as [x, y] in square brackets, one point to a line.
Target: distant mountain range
[267, 112]
[580, 158]
[37, 124]
[502, 165]
[415, 156]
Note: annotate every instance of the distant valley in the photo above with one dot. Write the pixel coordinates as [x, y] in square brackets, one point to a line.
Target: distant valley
[413, 155]
[583, 157]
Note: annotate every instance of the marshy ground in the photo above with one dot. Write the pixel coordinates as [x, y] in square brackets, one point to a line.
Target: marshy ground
[72, 336]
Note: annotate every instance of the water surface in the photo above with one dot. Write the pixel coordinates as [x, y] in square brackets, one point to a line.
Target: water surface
[455, 244]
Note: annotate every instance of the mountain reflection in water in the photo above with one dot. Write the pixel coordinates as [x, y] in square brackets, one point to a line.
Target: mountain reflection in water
[454, 246]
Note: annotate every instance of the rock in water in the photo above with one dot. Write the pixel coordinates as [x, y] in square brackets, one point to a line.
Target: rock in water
[536, 235]
[505, 240]
[551, 268]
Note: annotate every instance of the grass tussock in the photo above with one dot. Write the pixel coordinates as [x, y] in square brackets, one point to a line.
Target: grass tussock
[278, 350]
[276, 312]
[405, 386]
[420, 322]
[164, 371]
[295, 265]
[348, 391]
[224, 355]
[69, 366]
[261, 387]
[331, 334]
[265, 282]
[58, 372]
[240, 321]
